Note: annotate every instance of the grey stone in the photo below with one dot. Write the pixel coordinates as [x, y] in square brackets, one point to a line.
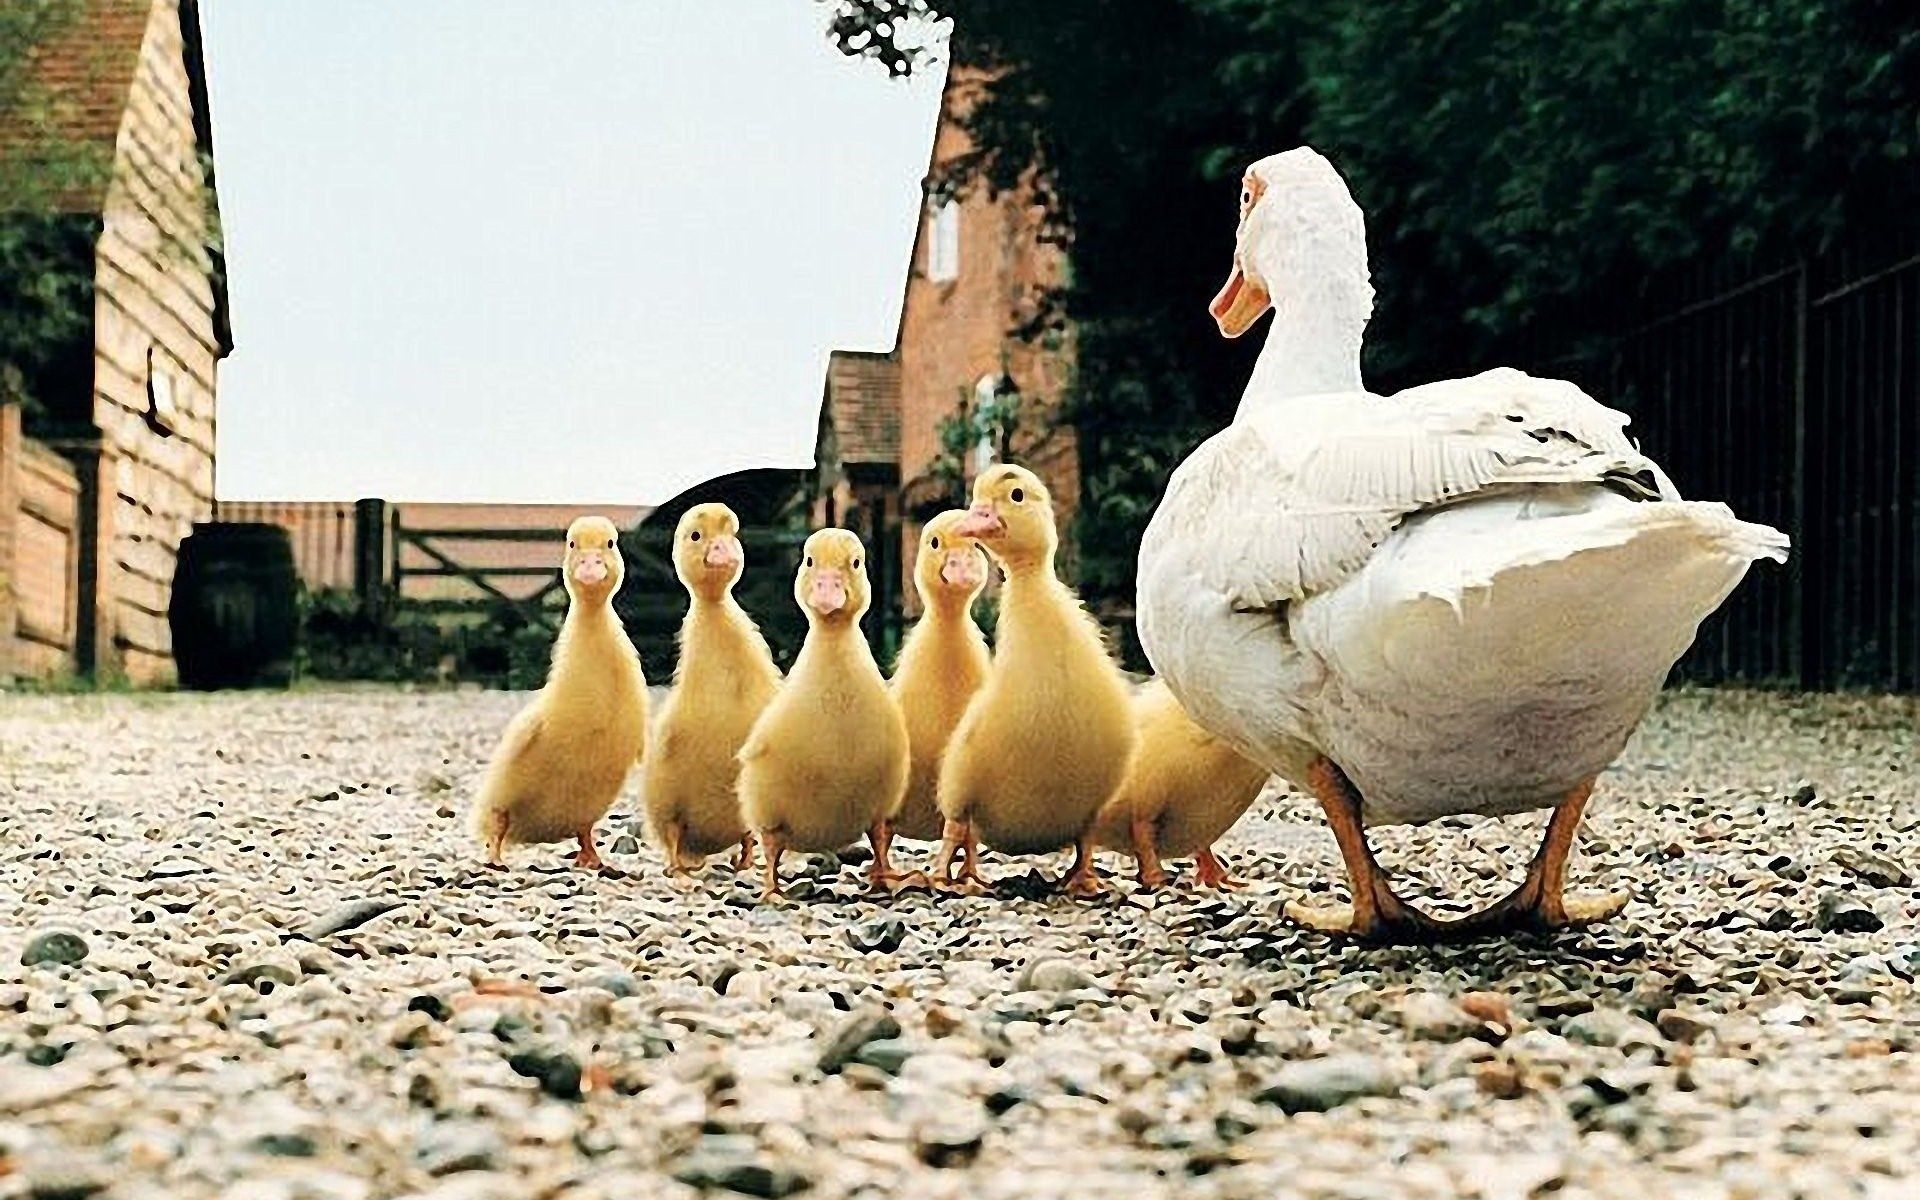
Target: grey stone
[1324, 1084]
[878, 937]
[620, 984]
[1680, 1025]
[557, 1071]
[1876, 869]
[266, 971]
[176, 868]
[351, 915]
[448, 1147]
[1841, 913]
[1433, 1017]
[53, 947]
[1610, 1027]
[870, 1024]
[885, 1054]
[1053, 975]
[952, 1141]
[719, 1162]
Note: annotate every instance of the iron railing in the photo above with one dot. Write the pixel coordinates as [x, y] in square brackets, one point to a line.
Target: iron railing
[1792, 394]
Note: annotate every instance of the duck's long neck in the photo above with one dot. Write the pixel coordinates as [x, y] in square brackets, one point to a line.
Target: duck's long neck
[1313, 348]
[592, 642]
[1322, 299]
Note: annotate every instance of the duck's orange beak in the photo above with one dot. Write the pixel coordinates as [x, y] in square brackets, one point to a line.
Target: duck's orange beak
[1239, 304]
[590, 570]
[724, 552]
[980, 522]
[827, 594]
[962, 569]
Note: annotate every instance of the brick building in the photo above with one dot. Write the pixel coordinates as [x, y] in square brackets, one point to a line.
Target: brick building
[856, 454]
[98, 488]
[979, 272]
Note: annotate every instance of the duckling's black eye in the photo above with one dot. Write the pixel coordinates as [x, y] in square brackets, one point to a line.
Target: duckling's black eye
[809, 560]
[1017, 495]
[694, 536]
[934, 544]
[570, 544]
[856, 564]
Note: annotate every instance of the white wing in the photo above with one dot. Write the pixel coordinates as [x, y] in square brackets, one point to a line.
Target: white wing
[1293, 501]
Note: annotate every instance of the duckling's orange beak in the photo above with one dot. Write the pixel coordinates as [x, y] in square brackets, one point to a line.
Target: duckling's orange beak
[724, 552]
[981, 521]
[827, 594]
[591, 569]
[962, 569]
[1239, 304]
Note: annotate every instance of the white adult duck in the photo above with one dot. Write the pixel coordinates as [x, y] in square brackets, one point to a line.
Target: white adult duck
[1458, 599]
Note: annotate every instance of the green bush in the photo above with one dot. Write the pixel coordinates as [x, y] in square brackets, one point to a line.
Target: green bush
[495, 645]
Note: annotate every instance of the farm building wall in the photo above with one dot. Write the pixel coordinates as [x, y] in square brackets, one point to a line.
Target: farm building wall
[157, 340]
[980, 272]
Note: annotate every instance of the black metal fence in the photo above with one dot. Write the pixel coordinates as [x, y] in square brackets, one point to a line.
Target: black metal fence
[1794, 396]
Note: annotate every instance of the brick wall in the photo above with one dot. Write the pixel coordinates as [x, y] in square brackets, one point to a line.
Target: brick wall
[954, 331]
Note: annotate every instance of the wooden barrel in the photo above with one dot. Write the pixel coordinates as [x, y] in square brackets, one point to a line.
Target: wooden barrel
[235, 608]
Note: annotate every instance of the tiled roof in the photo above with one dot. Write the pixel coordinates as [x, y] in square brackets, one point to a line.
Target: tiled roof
[863, 405]
[77, 83]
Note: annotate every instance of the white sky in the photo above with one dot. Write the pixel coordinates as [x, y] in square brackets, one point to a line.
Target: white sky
[587, 251]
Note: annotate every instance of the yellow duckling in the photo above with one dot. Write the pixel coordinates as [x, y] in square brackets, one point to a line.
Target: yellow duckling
[942, 664]
[1186, 788]
[827, 760]
[1046, 741]
[725, 679]
[563, 759]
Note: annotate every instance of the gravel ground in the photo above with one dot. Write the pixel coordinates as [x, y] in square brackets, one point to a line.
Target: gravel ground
[249, 953]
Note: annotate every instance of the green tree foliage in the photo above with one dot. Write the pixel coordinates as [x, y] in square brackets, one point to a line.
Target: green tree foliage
[1520, 161]
[46, 236]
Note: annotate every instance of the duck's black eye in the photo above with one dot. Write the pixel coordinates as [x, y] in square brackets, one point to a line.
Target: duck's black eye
[809, 560]
[1017, 495]
[694, 536]
[570, 544]
[856, 564]
[934, 544]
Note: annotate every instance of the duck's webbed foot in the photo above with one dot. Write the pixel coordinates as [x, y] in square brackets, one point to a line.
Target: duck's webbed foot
[1083, 880]
[1210, 872]
[881, 874]
[681, 866]
[588, 858]
[1525, 909]
[1541, 902]
[956, 868]
[1377, 914]
[1146, 853]
[1385, 918]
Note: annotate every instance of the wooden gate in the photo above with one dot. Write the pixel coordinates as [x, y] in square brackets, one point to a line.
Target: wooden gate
[540, 605]
[651, 603]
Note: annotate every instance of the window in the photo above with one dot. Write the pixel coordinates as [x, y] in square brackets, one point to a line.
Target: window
[985, 393]
[943, 242]
[163, 409]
